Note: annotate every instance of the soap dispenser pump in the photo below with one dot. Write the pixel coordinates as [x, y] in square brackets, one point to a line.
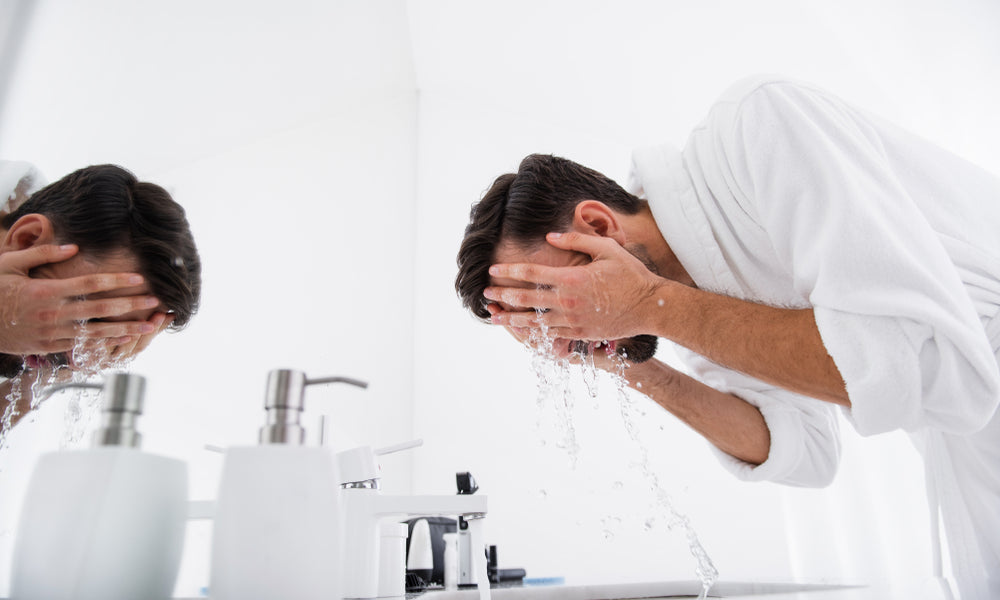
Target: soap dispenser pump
[106, 522]
[278, 523]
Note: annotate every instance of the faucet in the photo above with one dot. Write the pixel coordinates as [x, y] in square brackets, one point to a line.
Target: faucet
[364, 506]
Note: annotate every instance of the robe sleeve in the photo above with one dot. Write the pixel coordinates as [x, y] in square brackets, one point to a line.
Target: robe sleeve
[890, 306]
[805, 436]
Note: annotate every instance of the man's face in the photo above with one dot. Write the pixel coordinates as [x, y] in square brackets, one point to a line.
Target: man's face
[121, 262]
[637, 349]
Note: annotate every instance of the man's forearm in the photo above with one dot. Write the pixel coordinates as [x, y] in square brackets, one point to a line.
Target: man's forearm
[730, 423]
[780, 346]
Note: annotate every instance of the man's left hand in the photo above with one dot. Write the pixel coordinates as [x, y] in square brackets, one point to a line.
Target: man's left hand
[606, 299]
[137, 344]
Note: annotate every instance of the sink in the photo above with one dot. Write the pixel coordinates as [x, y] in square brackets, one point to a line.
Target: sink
[662, 589]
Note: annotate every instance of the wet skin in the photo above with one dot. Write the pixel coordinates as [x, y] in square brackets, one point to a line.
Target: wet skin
[548, 255]
[144, 307]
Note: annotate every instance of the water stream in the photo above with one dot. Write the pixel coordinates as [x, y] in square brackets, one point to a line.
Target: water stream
[82, 407]
[705, 570]
[553, 376]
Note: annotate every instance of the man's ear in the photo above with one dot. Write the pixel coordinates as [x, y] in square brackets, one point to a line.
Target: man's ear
[30, 230]
[597, 218]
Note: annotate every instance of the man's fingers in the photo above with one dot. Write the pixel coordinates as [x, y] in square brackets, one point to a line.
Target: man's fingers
[529, 298]
[94, 284]
[55, 344]
[527, 272]
[62, 338]
[106, 308]
[160, 321]
[525, 319]
[22, 261]
[115, 329]
[593, 245]
[124, 348]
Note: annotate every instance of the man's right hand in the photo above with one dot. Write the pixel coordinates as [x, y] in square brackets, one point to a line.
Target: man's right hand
[43, 316]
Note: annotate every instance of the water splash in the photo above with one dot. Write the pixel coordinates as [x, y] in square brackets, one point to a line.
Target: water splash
[612, 525]
[705, 569]
[88, 360]
[552, 376]
[83, 405]
[553, 385]
[39, 384]
[11, 410]
[590, 374]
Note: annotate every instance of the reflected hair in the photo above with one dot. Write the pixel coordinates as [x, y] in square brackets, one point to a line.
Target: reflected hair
[521, 208]
[105, 209]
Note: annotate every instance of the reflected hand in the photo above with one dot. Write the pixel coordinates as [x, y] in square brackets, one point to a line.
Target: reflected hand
[44, 316]
[605, 299]
[122, 352]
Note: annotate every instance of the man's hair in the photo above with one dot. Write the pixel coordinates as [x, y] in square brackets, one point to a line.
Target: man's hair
[105, 209]
[522, 207]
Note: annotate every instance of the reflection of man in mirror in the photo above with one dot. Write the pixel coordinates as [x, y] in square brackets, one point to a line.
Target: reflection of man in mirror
[92, 267]
[807, 255]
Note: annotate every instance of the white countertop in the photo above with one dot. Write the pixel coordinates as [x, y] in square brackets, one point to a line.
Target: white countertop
[688, 589]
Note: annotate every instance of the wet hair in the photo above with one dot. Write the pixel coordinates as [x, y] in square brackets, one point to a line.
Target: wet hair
[521, 208]
[105, 209]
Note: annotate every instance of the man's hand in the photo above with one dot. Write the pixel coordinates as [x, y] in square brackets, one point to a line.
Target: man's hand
[603, 300]
[43, 316]
[123, 352]
[603, 356]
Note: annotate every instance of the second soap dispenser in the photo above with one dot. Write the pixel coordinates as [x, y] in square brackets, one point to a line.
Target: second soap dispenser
[278, 523]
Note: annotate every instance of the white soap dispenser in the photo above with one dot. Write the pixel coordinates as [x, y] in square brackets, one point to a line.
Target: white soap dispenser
[278, 522]
[105, 523]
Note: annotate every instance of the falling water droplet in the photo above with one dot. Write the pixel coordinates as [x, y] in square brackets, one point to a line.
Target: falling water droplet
[553, 389]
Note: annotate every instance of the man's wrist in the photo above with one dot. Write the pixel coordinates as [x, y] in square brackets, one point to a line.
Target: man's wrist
[658, 307]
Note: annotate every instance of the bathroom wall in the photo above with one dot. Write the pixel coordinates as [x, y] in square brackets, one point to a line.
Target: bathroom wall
[328, 153]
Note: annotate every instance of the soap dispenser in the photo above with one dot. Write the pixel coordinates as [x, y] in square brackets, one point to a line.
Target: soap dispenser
[278, 522]
[107, 522]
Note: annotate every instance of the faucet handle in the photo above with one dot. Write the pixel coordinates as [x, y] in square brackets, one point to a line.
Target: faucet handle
[284, 401]
[359, 467]
[399, 447]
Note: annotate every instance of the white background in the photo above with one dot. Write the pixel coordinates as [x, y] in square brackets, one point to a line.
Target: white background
[328, 153]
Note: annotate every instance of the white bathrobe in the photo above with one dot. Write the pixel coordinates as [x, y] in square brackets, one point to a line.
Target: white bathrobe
[788, 196]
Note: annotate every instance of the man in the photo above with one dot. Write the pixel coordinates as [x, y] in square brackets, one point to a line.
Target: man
[809, 256]
[92, 267]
